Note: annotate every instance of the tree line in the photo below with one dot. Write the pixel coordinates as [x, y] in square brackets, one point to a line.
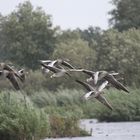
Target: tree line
[27, 35]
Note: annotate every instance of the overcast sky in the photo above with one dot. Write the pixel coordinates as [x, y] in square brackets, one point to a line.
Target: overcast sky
[69, 13]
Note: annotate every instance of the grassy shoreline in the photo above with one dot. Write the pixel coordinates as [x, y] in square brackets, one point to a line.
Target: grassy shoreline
[56, 114]
[21, 118]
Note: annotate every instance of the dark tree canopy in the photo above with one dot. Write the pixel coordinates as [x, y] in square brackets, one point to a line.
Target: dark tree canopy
[27, 35]
[91, 34]
[126, 14]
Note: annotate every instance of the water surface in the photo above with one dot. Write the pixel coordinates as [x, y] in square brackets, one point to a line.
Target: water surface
[108, 131]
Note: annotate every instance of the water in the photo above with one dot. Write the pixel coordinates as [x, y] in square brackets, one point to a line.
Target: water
[108, 131]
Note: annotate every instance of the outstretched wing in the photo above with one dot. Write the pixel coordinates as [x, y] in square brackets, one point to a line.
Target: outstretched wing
[88, 94]
[87, 86]
[88, 72]
[13, 80]
[53, 69]
[65, 63]
[115, 83]
[53, 63]
[103, 100]
[11, 69]
[45, 61]
[102, 85]
[95, 77]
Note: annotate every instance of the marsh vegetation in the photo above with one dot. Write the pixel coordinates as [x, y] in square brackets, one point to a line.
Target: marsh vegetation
[52, 107]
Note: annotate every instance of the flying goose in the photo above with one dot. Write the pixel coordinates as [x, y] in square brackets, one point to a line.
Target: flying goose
[46, 62]
[96, 93]
[64, 63]
[94, 76]
[59, 72]
[99, 75]
[49, 63]
[10, 76]
[6, 67]
[57, 63]
[95, 90]
[112, 80]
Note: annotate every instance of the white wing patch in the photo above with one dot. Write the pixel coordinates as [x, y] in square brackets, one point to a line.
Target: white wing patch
[102, 86]
[87, 95]
[96, 77]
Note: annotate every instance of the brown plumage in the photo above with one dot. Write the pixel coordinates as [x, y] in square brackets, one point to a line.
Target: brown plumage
[58, 63]
[59, 72]
[11, 77]
[95, 93]
[111, 79]
[4, 66]
[104, 75]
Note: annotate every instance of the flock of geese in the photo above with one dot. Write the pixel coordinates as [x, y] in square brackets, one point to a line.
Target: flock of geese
[95, 83]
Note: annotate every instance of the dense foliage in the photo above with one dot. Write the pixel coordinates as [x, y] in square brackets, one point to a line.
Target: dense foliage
[27, 35]
[69, 102]
[22, 117]
[126, 14]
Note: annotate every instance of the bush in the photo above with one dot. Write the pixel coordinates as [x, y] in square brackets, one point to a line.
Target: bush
[69, 126]
[65, 101]
[30, 117]
[56, 113]
[19, 119]
[126, 107]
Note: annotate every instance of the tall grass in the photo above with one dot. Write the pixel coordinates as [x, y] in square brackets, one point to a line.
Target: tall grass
[24, 117]
[47, 113]
[126, 107]
[63, 101]
[19, 119]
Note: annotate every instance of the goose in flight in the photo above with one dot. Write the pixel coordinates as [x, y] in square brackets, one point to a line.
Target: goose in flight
[112, 80]
[92, 74]
[95, 75]
[10, 75]
[6, 67]
[58, 63]
[50, 63]
[104, 75]
[59, 72]
[96, 92]
[65, 63]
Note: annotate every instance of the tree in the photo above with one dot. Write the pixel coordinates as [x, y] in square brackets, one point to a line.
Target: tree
[120, 52]
[27, 35]
[92, 35]
[77, 51]
[126, 14]
[79, 54]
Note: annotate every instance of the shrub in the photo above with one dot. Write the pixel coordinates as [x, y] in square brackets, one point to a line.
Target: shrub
[69, 126]
[35, 117]
[126, 107]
